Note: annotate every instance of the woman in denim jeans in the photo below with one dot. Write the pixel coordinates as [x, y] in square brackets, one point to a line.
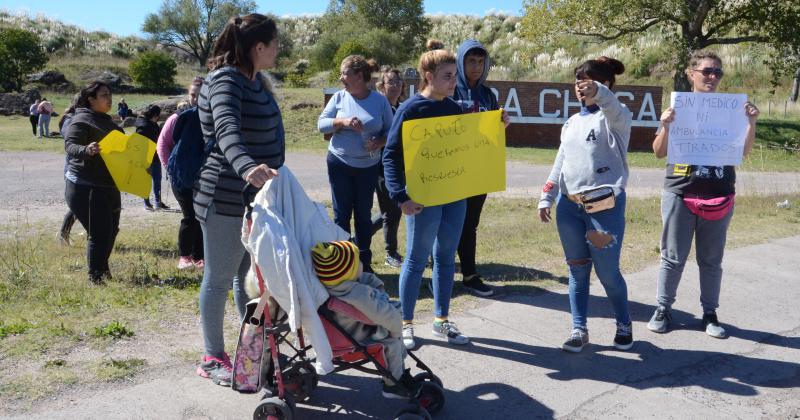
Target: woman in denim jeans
[680, 224]
[592, 160]
[359, 119]
[434, 229]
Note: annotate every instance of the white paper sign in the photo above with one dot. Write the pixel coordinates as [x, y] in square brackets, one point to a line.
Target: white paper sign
[709, 129]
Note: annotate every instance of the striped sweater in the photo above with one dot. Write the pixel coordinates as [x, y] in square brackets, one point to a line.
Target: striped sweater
[241, 115]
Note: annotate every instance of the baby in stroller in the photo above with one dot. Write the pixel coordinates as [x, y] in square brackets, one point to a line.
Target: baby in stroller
[338, 268]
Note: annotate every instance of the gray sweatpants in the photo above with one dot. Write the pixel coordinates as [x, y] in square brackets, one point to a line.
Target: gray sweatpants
[680, 225]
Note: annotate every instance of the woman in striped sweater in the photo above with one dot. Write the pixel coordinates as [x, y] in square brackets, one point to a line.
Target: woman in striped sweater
[239, 113]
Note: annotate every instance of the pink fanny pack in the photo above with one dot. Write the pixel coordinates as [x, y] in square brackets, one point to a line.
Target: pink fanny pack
[710, 208]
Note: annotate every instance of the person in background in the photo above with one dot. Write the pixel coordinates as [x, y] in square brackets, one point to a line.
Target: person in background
[122, 109]
[90, 191]
[190, 235]
[33, 111]
[239, 114]
[63, 126]
[428, 228]
[45, 109]
[359, 119]
[687, 184]
[391, 85]
[587, 183]
[147, 125]
[473, 96]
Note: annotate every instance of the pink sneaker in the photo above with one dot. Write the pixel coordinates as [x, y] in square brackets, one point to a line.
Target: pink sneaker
[218, 370]
[199, 263]
[184, 263]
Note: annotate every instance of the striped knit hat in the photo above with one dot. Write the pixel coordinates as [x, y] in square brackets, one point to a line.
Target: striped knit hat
[335, 262]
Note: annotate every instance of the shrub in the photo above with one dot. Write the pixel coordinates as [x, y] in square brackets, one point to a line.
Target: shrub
[296, 80]
[347, 48]
[153, 70]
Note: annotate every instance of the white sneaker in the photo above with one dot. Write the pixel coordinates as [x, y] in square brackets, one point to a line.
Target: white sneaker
[408, 336]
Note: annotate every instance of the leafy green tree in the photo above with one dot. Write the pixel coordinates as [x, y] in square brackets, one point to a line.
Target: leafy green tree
[193, 26]
[20, 53]
[689, 25]
[153, 70]
[390, 30]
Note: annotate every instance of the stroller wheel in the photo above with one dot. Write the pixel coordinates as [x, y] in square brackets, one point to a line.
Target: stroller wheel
[274, 408]
[428, 377]
[412, 412]
[431, 397]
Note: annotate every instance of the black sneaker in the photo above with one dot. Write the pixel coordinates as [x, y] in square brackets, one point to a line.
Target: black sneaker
[162, 206]
[711, 325]
[147, 205]
[623, 340]
[577, 339]
[393, 259]
[475, 284]
[405, 387]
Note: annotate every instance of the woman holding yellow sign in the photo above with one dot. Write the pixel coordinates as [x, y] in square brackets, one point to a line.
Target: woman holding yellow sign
[697, 202]
[434, 228]
[90, 190]
[591, 172]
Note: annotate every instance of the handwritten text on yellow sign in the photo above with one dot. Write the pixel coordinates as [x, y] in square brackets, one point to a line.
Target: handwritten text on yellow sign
[127, 159]
[451, 158]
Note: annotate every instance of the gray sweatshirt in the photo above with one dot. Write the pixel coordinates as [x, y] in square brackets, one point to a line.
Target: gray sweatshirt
[593, 150]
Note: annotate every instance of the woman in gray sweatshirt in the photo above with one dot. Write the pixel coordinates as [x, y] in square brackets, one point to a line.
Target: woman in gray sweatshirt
[590, 172]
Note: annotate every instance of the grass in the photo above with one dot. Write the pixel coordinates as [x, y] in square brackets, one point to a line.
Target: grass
[50, 309]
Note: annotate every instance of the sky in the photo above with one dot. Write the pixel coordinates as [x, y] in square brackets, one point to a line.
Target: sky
[126, 17]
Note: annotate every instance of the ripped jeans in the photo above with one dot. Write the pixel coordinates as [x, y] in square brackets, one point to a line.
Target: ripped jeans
[593, 239]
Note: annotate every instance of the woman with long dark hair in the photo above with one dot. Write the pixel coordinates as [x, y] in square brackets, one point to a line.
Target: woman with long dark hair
[587, 183]
[238, 112]
[90, 191]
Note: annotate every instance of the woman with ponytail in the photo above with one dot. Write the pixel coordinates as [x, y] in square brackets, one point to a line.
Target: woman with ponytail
[359, 119]
[239, 116]
[587, 183]
[434, 229]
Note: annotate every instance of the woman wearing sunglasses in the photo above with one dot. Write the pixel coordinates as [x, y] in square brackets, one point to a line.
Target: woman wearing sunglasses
[688, 184]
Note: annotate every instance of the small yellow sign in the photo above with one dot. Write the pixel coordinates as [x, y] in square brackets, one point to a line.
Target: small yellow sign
[451, 158]
[127, 159]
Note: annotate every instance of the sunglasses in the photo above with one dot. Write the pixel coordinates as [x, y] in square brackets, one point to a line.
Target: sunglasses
[708, 71]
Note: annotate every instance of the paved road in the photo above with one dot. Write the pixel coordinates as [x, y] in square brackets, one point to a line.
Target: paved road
[32, 186]
[514, 370]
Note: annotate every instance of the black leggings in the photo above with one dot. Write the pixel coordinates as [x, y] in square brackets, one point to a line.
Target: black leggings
[389, 219]
[469, 234]
[34, 123]
[190, 235]
[98, 210]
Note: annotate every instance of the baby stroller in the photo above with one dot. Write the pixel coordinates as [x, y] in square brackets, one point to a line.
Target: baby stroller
[267, 358]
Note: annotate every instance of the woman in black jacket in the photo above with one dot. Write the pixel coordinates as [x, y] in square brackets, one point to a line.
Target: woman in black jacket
[90, 190]
[147, 125]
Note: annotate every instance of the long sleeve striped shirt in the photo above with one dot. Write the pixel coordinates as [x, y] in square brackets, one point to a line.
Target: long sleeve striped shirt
[244, 120]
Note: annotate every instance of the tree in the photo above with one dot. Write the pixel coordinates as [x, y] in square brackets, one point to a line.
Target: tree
[193, 26]
[153, 70]
[20, 53]
[689, 25]
[391, 29]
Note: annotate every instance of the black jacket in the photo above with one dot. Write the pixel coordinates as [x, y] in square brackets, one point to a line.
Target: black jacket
[86, 127]
[150, 130]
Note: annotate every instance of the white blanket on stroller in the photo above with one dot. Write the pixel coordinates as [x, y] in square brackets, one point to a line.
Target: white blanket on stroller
[286, 225]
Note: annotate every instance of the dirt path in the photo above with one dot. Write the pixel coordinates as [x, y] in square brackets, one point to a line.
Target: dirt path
[32, 184]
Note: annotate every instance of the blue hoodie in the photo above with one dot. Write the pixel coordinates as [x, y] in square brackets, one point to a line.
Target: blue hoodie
[479, 98]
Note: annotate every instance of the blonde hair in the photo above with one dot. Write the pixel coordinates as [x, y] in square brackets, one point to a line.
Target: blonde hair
[360, 65]
[431, 60]
[181, 106]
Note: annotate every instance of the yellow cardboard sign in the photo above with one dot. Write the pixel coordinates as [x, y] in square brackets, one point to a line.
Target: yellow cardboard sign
[127, 159]
[451, 158]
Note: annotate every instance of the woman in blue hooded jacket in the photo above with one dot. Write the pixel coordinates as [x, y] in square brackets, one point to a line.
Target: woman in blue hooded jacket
[473, 65]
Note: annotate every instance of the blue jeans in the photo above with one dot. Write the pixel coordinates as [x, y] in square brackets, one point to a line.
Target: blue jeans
[44, 125]
[437, 229]
[352, 190]
[574, 224]
[226, 265]
[155, 173]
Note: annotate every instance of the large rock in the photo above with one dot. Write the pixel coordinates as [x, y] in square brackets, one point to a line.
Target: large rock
[168, 106]
[48, 78]
[18, 103]
[111, 79]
